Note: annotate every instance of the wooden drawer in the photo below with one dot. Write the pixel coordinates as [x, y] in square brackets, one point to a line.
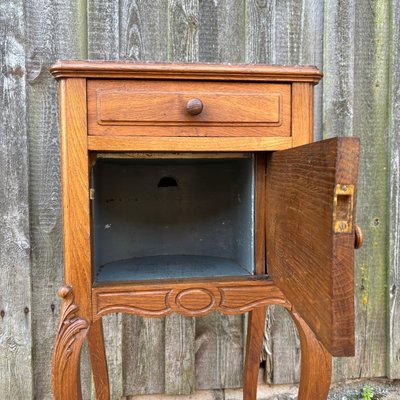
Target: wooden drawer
[159, 108]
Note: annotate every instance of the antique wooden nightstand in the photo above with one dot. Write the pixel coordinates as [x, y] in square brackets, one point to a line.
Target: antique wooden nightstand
[194, 188]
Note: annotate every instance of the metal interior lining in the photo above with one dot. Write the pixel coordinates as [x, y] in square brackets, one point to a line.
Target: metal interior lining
[207, 215]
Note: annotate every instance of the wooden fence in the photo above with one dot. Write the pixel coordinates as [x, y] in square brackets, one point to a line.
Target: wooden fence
[356, 43]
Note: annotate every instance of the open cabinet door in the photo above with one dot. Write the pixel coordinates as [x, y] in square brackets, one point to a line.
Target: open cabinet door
[311, 192]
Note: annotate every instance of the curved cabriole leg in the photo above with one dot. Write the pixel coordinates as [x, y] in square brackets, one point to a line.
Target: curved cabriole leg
[255, 336]
[67, 350]
[97, 353]
[316, 364]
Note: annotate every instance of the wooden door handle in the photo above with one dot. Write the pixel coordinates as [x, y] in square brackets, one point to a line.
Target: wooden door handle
[359, 237]
[194, 106]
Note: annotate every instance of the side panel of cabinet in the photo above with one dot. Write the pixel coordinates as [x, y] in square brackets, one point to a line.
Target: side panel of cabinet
[75, 191]
[310, 200]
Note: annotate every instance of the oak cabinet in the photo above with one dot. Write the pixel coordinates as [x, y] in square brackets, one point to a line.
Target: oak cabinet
[191, 188]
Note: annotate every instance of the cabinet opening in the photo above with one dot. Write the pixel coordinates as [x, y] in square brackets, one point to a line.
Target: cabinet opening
[180, 217]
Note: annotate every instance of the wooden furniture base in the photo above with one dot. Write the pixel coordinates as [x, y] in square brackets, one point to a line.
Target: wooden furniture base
[194, 298]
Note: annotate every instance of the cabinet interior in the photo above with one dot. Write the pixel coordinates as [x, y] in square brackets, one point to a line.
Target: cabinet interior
[157, 216]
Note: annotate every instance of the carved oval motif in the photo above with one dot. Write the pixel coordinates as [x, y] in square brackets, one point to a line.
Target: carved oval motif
[195, 300]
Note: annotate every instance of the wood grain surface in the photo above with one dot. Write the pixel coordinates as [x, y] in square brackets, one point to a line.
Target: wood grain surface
[356, 105]
[46, 20]
[254, 342]
[75, 193]
[309, 261]
[71, 333]
[227, 72]
[183, 46]
[16, 321]
[104, 41]
[195, 297]
[219, 338]
[394, 200]
[288, 32]
[153, 108]
[171, 144]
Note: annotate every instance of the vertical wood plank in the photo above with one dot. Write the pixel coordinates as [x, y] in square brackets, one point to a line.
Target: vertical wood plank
[143, 30]
[260, 42]
[299, 40]
[103, 24]
[179, 354]
[289, 32]
[219, 351]
[219, 338]
[338, 102]
[222, 31]
[260, 36]
[112, 328]
[16, 375]
[131, 30]
[182, 46]
[369, 122]
[143, 36]
[183, 30]
[103, 29]
[143, 365]
[394, 199]
[285, 349]
[54, 30]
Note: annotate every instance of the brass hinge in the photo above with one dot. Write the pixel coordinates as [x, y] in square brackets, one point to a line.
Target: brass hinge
[343, 209]
[91, 194]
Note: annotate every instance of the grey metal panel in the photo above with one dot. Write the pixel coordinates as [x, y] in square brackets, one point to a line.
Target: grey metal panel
[171, 267]
[210, 211]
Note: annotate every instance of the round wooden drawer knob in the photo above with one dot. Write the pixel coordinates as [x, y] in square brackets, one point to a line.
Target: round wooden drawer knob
[359, 237]
[194, 106]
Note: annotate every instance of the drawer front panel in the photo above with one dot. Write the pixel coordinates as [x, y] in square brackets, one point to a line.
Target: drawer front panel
[154, 108]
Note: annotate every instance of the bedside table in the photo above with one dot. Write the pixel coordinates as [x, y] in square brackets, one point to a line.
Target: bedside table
[191, 188]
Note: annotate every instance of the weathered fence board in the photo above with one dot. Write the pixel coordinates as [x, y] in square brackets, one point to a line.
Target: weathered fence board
[103, 29]
[219, 338]
[131, 30]
[222, 31]
[183, 40]
[103, 44]
[356, 43]
[393, 291]
[142, 36]
[54, 30]
[15, 280]
[370, 91]
[287, 32]
[339, 88]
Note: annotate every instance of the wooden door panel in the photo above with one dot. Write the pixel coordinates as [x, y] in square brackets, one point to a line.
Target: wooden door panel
[310, 200]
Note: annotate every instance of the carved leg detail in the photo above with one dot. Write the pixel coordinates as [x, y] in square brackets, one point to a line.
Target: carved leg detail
[98, 360]
[316, 364]
[255, 336]
[67, 350]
